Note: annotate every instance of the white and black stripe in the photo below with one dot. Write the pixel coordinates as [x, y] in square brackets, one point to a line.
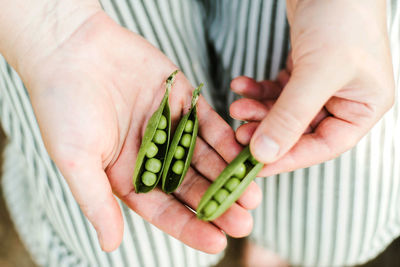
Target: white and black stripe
[344, 211]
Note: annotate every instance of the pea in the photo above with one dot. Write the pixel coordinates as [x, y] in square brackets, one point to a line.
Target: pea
[221, 195]
[240, 171]
[253, 160]
[149, 178]
[179, 152]
[189, 126]
[232, 184]
[152, 150]
[162, 124]
[185, 140]
[153, 165]
[210, 208]
[178, 167]
[160, 137]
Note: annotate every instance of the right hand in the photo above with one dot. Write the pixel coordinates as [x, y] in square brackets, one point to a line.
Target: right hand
[93, 96]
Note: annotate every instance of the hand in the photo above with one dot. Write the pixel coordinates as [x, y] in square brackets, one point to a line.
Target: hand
[93, 96]
[338, 84]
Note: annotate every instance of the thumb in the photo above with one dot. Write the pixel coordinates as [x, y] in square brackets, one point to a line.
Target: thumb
[306, 92]
[91, 189]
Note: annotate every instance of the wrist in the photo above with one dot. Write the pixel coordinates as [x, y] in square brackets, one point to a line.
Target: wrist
[31, 30]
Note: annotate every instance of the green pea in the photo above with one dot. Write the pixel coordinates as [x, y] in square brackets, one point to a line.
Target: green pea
[160, 137]
[153, 165]
[240, 171]
[252, 160]
[178, 167]
[185, 140]
[149, 178]
[152, 150]
[162, 124]
[232, 184]
[210, 208]
[179, 152]
[189, 126]
[221, 195]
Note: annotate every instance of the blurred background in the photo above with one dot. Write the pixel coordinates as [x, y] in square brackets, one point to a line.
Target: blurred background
[13, 253]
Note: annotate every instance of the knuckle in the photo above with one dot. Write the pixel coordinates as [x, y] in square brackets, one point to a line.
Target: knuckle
[288, 123]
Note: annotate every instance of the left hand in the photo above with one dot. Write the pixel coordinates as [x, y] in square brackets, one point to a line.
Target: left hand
[337, 85]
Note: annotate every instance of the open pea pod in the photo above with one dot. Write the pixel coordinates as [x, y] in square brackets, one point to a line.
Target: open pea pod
[228, 186]
[181, 149]
[154, 147]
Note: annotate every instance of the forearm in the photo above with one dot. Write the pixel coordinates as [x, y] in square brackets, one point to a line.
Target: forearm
[32, 29]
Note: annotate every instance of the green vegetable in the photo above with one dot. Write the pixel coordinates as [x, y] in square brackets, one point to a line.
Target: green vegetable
[185, 141]
[143, 180]
[160, 137]
[172, 175]
[153, 165]
[189, 126]
[221, 195]
[232, 184]
[163, 123]
[227, 180]
[178, 167]
[151, 150]
[149, 178]
[179, 152]
[240, 171]
[210, 208]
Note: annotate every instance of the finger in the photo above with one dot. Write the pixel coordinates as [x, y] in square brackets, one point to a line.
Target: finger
[283, 78]
[332, 137]
[217, 132]
[169, 215]
[236, 221]
[246, 109]
[305, 94]
[91, 189]
[209, 164]
[250, 88]
[245, 132]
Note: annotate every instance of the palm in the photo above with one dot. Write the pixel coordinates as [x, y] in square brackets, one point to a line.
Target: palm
[101, 87]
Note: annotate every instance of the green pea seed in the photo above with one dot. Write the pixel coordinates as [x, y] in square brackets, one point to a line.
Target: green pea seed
[240, 171]
[153, 165]
[210, 208]
[162, 124]
[232, 184]
[149, 178]
[152, 150]
[160, 137]
[178, 167]
[221, 195]
[189, 126]
[179, 152]
[253, 160]
[185, 140]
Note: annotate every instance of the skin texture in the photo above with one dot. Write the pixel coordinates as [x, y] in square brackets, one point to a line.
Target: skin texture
[338, 83]
[93, 91]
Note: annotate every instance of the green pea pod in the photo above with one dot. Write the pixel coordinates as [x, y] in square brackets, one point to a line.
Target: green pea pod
[149, 134]
[170, 179]
[207, 209]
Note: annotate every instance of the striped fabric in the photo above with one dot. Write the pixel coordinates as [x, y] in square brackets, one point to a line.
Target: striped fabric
[342, 212]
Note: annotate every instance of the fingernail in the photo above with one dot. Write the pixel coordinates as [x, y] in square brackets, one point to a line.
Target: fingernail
[265, 149]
